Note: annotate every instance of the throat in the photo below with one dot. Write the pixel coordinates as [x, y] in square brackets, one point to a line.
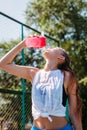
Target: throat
[50, 66]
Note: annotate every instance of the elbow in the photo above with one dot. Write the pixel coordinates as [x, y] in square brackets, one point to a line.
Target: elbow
[3, 64]
[75, 116]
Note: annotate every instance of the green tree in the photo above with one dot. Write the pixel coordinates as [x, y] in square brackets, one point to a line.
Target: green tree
[60, 19]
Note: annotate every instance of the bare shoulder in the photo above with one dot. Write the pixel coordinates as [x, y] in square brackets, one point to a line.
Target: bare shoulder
[33, 69]
[67, 77]
[32, 72]
[69, 82]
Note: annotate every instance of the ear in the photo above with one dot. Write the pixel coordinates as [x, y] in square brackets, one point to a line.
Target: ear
[62, 58]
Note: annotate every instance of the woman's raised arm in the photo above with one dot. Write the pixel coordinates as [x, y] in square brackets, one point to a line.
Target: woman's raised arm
[17, 70]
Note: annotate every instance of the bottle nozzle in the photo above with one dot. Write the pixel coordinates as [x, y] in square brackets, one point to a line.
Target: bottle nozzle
[42, 33]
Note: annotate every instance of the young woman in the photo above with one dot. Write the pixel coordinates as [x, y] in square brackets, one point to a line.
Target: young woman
[51, 86]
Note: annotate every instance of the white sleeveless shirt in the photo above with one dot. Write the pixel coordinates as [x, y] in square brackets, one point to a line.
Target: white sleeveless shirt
[47, 92]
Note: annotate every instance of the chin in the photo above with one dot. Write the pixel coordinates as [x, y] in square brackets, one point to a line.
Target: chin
[44, 53]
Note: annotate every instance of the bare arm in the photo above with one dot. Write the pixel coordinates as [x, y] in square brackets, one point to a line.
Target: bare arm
[17, 70]
[75, 116]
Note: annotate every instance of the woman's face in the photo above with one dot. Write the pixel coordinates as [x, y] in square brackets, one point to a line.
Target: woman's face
[53, 53]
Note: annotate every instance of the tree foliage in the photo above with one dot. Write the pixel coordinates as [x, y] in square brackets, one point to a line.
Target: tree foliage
[60, 19]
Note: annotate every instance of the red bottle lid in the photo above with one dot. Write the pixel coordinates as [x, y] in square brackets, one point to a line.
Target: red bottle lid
[36, 41]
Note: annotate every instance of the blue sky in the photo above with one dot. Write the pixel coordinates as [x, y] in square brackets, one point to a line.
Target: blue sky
[13, 8]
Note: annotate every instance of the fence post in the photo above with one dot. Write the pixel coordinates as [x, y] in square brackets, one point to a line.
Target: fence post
[23, 84]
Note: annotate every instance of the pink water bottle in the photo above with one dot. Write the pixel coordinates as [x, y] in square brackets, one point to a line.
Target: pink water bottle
[36, 41]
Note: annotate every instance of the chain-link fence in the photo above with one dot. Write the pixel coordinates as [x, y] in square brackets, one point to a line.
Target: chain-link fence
[11, 113]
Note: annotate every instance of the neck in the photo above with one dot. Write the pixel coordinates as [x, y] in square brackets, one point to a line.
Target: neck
[50, 66]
